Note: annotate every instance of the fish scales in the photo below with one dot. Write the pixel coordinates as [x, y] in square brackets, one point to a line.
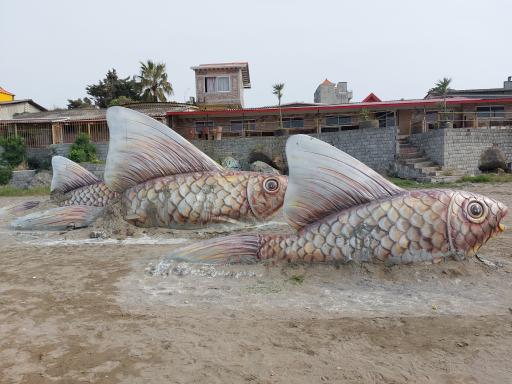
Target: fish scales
[397, 231]
[95, 195]
[190, 199]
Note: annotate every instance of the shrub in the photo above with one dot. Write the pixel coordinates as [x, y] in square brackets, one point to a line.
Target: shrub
[14, 150]
[5, 173]
[39, 164]
[82, 149]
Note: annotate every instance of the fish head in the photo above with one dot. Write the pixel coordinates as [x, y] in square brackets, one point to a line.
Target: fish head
[474, 220]
[265, 193]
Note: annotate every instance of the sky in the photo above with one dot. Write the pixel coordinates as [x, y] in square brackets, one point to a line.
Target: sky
[51, 50]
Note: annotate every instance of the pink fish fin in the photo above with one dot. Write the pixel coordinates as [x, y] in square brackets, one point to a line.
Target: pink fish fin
[68, 175]
[219, 250]
[142, 148]
[56, 219]
[17, 208]
[324, 180]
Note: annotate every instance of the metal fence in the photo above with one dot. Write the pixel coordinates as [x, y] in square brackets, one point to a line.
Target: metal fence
[43, 134]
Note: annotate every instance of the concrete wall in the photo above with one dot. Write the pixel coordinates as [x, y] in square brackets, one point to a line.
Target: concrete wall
[461, 148]
[7, 111]
[374, 147]
[234, 96]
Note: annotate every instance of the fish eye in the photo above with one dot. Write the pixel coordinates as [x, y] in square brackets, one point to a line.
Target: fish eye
[475, 211]
[271, 185]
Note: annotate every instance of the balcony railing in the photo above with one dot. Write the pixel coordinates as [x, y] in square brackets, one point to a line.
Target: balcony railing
[451, 119]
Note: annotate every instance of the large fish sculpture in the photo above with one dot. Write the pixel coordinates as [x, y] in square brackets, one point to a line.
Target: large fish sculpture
[344, 211]
[80, 195]
[162, 180]
[165, 181]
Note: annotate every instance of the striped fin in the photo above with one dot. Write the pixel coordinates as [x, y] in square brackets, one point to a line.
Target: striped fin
[56, 219]
[142, 148]
[68, 175]
[324, 180]
[17, 208]
[219, 250]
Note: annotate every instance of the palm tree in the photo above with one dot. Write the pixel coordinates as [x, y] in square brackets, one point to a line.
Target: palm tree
[277, 89]
[153, 81]
[441, 88]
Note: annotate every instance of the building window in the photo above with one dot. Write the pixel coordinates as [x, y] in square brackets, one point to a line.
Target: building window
[293, 122]
[336, 121]
[217, 84]
[239, 125]
[490, 111]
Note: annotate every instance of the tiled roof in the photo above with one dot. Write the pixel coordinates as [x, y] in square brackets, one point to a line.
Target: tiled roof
[21, 101]
[77, 114]
[2, 90]
[327, 82]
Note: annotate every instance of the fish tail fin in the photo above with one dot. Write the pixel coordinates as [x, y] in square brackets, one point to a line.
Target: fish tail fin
[11, 210]
[69, 217]
[219, 250]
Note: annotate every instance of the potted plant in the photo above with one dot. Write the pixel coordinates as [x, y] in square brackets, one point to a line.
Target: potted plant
[365, 120]
[442, 88]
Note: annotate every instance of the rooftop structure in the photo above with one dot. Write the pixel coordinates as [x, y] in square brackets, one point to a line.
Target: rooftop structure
[222, 84]
[10, 109]
[329, 93]
[506, 91]
[5, 95]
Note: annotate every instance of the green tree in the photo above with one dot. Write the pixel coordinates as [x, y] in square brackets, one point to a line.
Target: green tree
[14, 150]
[441, 88]
[113, 87]
[79, 103]
[277, 89]
[82, 149]
[153, 82]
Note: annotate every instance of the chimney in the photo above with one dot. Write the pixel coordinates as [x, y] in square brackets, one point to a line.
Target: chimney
[508, 84]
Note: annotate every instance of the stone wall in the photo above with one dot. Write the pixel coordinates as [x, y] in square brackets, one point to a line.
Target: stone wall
[432, 143]
[374, 147]
[461, 148]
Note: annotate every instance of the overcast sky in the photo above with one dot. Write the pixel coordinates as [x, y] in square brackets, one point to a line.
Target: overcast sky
[50, 50]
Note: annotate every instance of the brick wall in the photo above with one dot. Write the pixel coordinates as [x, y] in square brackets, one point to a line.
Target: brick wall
[462, 147]
[374, 147]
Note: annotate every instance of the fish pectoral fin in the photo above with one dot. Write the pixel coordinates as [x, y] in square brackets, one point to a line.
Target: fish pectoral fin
[323, 180]
[68, 175]
[57, 219]
[141, 148]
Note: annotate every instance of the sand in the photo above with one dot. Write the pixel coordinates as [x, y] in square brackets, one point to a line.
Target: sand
[76, 309]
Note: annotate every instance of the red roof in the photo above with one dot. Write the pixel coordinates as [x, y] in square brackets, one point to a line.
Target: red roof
[6, 92]
[327, 82]
[371, 98]
[393, 104]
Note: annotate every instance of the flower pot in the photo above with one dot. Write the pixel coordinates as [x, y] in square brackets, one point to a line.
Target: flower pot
[363, 124]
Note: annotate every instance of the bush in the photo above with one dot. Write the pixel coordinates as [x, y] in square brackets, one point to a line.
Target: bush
[5, 173]
[14, 150]
[82, 150]
[39, 164]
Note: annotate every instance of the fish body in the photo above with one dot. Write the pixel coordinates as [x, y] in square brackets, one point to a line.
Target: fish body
[165, 181]
[195, 199]
[345, 212]
[422, 225]
[95, 195]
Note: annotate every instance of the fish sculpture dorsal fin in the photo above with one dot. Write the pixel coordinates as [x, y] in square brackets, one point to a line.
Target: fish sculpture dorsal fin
[142, 148]
[324, 180]
[68, 175]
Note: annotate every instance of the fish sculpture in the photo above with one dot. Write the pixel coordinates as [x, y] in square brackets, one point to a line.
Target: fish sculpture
[344, 211]
[165, 181]
[161, 179]
[80, 195]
